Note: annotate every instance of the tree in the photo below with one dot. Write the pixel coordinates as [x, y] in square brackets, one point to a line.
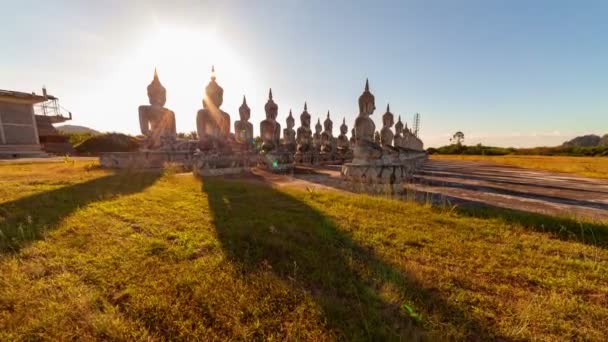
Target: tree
[457, 138]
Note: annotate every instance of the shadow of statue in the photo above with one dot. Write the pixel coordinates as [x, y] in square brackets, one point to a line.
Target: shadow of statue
[261, 228]
[29, 218]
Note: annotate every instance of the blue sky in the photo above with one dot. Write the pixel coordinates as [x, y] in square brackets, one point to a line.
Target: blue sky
[508, 73]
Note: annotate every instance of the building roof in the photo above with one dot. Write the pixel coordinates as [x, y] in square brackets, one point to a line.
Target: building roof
[33, 97]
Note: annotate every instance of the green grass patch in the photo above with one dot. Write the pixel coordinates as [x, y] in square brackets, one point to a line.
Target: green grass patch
[146, 256]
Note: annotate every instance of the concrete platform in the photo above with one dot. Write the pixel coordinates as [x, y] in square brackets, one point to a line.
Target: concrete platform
[467, 183]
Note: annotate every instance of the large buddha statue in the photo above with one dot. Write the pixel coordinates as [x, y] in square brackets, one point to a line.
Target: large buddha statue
[213, 124]
[386, 134]
[366, 148]
[243, 129]
[156, 122]
[342, 143]
[289, 134]
[327, 138]
[398, 139]
[304, 133]
[316, 138]
[270, 129]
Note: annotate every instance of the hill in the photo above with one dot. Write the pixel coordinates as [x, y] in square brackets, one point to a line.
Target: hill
[69, 129]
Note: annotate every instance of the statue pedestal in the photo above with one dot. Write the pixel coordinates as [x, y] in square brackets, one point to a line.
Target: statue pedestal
[383, 171]
[154, 159]
[216, 164]
[276, 161]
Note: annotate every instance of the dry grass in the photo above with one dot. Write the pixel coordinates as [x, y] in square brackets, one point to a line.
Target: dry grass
[596, 167]
[144, 256]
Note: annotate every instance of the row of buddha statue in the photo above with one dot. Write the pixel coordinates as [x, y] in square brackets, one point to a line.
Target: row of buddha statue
[301, 145]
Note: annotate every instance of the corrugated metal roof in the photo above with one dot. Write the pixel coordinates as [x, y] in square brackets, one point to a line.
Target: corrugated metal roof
[22, 95]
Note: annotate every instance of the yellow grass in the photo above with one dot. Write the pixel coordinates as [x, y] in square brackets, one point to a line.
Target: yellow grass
[596, 167]
[88, 254]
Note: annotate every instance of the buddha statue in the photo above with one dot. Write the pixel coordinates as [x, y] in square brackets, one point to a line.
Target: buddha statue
[367, 147]
[353, 139]
[398, 139]
[243, 129]
[343, 144]
[327, 138]
[289, 134]
[316, 138]
[411, 141]
[304, 133]
[156, 122]
[270, 129]
[386, 134]
[213, 124]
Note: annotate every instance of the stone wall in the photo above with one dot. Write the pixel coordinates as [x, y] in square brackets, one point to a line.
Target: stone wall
[17, 124]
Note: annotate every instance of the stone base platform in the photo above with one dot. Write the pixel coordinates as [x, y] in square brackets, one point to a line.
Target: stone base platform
[219, 164]
[381, 171]
[276, 161]
[146, 159]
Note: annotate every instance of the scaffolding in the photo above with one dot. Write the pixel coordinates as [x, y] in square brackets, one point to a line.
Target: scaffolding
[416, 124]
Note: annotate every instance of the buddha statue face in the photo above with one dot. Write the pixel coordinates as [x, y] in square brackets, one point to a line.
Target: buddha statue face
[157, 94]
[271, 108]
[387, 120]
[305, 120]
[214, 95]
[328, 125]
[367, 102]
[318, 127]
[244, 111]
[290, 121]
[343, 128]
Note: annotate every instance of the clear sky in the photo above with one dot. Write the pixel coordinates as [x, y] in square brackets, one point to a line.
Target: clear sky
[508, 73]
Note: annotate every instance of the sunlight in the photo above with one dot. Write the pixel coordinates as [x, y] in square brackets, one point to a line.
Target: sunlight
[183, 58]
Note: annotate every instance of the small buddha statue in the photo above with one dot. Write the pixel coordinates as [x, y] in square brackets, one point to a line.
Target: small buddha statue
[398, 139]
[353, 139]
[304, 133]
[289, 134]
[213, 124]
[156, 122]
[411, 141]
[386, 134]
[243, 129]
[316, 138]
[270, 129]
[367, 145]
[327, 139]
[343, 144]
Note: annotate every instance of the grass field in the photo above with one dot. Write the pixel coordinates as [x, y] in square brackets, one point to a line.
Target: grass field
[87, 254]
[596, 167]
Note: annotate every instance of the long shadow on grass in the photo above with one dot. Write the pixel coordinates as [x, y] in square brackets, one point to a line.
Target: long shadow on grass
[259, 226]
[28, 218]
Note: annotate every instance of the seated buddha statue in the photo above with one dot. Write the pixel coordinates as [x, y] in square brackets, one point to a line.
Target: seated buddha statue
[213, 124]
[366, 148]
[156, 122]
[289, 134]
[270, 129]
[342, 143]
[353, 139]
[316, 138]
[243, 129]
[327, 138]
[398, 139]
[304, 133]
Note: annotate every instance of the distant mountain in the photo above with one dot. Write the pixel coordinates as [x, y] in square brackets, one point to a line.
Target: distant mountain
[604, 140]
[75, 129]
[589, 140]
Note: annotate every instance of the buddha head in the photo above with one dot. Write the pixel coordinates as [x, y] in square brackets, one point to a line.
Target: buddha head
[214, 94]
[328, 125]
[305, 117]
[290, 121]
[244, 110]
[343, 127]
[318, 127]
[271, 108]
[387, 118]
[367, 102]
[157, 94]
[399, 126]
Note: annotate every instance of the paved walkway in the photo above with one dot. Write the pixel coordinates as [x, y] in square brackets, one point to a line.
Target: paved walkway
[483, 184]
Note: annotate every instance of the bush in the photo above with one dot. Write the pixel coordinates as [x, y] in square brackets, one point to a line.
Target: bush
[108, 142]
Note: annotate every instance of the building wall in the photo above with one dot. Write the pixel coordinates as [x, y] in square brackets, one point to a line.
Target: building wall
[17, 124]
